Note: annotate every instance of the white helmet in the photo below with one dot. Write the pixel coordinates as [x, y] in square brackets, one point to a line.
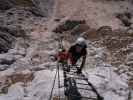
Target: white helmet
[81, 42]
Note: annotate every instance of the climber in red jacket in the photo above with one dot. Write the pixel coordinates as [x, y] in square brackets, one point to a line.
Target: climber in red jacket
[74, 53]
[77, 51]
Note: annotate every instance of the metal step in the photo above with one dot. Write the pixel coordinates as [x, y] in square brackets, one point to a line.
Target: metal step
[81, 83]
[88, 98]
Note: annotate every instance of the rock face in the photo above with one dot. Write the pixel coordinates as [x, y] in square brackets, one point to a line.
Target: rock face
[16, 14]
[114, 13]
[6, 40]
[8, 36]
[38, 7]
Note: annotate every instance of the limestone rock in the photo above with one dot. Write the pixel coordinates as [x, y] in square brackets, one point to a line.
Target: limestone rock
[6, 59]
[3, 67]
[38, 7]
[130, 57]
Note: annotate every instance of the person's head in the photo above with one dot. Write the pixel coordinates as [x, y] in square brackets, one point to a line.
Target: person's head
[80, 44]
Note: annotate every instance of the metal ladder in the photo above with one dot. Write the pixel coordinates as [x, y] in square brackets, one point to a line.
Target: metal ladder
[77, 86]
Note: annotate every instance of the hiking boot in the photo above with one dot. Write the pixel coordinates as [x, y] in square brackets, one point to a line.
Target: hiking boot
[79, 71]
[100, 98]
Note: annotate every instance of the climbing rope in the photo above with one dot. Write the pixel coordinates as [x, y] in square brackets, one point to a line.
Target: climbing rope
[57, 74]
[54, 80]
[58, 81]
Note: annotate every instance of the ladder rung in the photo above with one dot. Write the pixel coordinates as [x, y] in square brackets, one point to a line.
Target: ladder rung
[84, 89]
[82, 97]
[82, 83]
[69, 71]
[68, 74]
[73, 70]
[79, 78]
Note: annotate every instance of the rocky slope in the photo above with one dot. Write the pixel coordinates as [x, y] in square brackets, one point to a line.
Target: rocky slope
[17, 19]
[29, 30]
[97, 13]
[38, 7]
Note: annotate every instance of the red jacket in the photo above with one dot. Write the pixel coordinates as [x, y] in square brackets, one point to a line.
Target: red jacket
[63, 56]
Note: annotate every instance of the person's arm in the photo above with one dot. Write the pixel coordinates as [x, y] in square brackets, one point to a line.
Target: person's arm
[83, 59]
[70, 58]
[83, 62]
[70, 51]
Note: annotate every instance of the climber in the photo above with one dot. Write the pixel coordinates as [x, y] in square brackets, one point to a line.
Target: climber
[77, 51]
[62, 56]
[74, 53]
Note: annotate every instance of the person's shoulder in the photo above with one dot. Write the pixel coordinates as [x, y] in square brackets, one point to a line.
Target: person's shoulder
[72, 47]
